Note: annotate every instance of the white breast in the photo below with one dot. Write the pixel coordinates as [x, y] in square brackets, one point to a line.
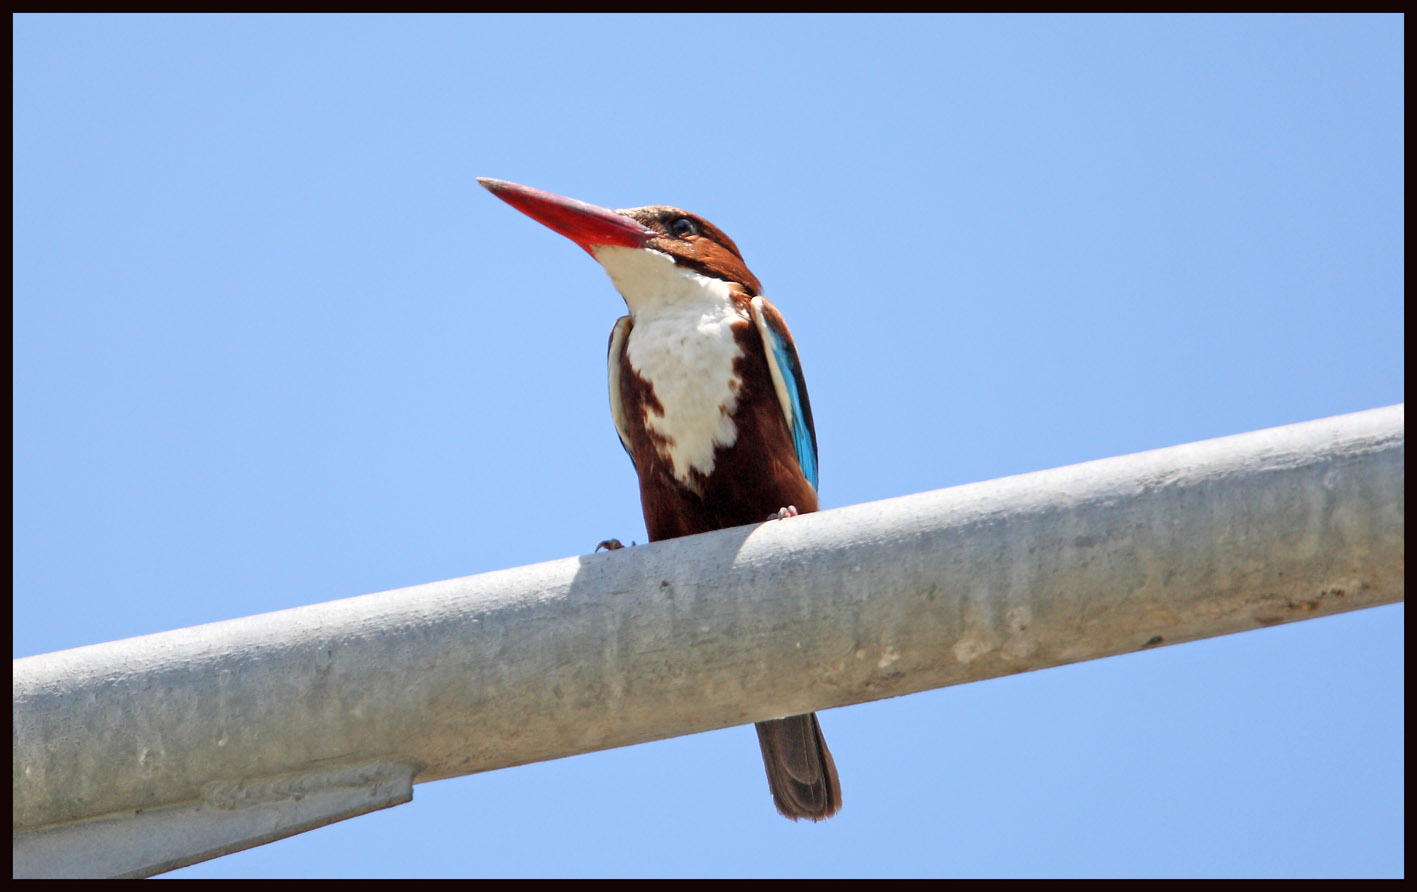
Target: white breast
[682, 343]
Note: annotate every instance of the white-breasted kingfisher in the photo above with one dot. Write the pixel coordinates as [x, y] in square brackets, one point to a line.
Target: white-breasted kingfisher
[708, 399]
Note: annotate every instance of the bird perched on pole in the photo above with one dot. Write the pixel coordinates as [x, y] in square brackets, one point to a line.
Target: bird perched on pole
[708, 399]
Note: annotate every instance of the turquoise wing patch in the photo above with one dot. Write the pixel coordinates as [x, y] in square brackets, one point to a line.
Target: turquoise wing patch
[791, 388]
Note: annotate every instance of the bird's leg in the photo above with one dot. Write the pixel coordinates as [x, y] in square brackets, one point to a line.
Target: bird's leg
[609, 545]
[783, 513]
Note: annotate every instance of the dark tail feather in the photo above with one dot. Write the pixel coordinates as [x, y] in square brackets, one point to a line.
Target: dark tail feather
[801, 773]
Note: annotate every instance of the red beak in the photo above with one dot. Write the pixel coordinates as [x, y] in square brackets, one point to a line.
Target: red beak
[588, 225]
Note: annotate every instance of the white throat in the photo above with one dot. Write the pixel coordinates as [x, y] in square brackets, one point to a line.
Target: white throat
[682, 343]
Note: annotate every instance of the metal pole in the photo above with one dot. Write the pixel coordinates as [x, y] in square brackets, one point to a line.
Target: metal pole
[139, 756]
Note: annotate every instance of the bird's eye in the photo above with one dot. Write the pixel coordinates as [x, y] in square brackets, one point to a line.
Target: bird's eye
[683, 228]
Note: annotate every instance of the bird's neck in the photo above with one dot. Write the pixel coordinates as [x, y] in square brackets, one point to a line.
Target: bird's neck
[652, 283]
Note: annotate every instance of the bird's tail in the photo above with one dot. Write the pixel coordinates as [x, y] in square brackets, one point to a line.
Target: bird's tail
[801, 773]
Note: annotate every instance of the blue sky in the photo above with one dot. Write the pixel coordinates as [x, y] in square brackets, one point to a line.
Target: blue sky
[274, 346]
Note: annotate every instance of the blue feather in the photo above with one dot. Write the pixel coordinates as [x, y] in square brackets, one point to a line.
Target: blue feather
[802, 440]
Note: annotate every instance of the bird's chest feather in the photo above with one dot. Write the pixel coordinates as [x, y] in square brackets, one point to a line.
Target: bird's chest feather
[689, 358]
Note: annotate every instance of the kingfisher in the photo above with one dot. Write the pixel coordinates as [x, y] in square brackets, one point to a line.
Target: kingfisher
[707, 397]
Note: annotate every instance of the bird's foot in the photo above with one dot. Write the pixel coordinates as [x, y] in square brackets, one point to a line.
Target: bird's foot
[609, 545]
[783, 513]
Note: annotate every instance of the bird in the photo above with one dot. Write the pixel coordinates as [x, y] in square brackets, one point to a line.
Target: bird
[708, 400]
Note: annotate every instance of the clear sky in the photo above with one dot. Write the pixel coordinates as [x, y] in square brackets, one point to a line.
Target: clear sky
[274, 346]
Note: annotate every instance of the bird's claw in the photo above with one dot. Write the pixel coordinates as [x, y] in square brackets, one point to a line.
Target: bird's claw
[783, 513]
[610, 545]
